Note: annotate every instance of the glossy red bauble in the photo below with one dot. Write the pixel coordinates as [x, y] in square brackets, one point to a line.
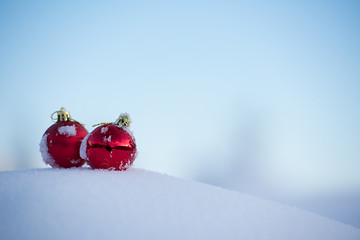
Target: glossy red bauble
[109, 147]
[60, 144]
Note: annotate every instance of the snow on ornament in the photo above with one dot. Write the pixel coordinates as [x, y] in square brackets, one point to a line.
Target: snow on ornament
[110, 146]
[61, 142]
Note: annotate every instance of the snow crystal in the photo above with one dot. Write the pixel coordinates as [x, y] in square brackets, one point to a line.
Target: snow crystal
[44, 150]
[67, 130]
[107, 139]
[75, 161]
[104, 130]
[83, 146]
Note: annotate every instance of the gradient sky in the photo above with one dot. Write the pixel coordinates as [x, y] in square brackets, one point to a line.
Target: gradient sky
[227, 91]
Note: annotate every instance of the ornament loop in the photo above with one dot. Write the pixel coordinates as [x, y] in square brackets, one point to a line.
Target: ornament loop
[98, 124]
[122, 121]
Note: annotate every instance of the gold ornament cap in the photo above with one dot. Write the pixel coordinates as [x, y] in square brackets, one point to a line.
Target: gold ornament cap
[123, 120]
[62, 116]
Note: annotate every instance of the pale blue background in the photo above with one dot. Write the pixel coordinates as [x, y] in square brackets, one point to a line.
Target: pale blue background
[261, 97]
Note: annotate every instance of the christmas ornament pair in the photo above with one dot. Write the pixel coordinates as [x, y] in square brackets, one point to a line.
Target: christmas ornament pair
[67, 144]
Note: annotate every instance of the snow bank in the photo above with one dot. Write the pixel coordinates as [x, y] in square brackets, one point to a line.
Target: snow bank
[138, 204]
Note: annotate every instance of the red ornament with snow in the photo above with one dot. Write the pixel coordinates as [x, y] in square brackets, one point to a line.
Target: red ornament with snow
[110, 146]
[60, 144]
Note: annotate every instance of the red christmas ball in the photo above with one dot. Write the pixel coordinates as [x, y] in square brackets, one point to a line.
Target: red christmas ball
[61, 142]
[109, 146]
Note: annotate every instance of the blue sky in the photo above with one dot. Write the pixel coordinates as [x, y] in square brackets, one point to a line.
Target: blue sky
[267, 90]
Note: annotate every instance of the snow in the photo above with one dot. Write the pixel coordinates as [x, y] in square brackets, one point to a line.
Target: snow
[75, 161]
[67, 130]
[107, 139]
[104, 130]
[45, 151]
[137, 204]
[83, 146]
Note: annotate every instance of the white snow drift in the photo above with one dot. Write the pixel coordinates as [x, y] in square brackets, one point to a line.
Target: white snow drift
[138, 204]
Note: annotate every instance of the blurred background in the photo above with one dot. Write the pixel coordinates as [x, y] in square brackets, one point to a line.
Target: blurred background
[260, 97]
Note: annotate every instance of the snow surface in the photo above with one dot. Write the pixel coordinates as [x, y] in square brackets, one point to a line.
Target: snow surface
[67, 130]
[137, 204]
